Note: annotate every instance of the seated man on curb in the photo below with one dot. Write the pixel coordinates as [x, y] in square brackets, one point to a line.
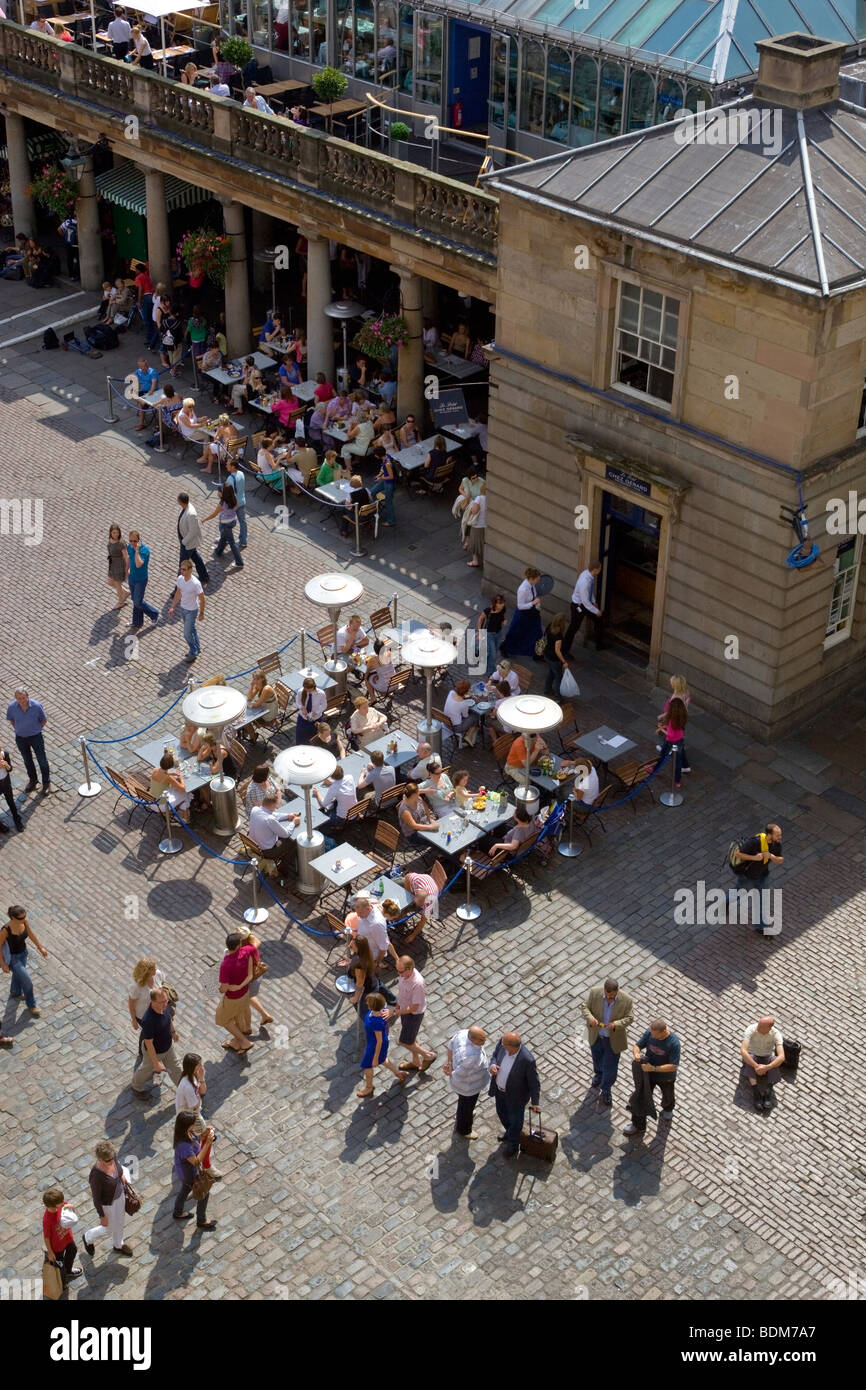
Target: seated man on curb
[762, 1052]
[273, 836]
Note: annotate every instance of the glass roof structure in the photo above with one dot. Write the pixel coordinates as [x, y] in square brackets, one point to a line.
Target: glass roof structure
[715, 36]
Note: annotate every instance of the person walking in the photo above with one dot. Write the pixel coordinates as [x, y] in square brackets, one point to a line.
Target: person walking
[411, 1007]
[189, 1156]
[754, 856]
[233, 1010]
[514, 1084]
[234, 475]
[138, 557]
[227, 510]
[491, 620]
[468, 1069]
[189, 533]
[157, 1038]
[7, 792]
[376, 1051]
[608, 1011]
[118, 565]
[762, 1052]
[672, 724]
[188, 1096]
[524, 630]
[146, 976]
[250, 945]
[59, 1241]
[583, 602]
[679, 691]
[191, 597]
[657, 1054]
[557, 663]
[28, 719]
[13, 949]
[108, 1188]
[476, 523]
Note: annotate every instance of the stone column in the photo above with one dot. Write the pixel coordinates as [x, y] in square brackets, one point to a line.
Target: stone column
[410, 364]
[430, 299]
[320, 329]
[263, 237]
[158, 244]
[237, 285]
[23, 212]
[89, 238]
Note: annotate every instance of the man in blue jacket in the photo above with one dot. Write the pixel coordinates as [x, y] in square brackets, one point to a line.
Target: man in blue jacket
[514, 1083]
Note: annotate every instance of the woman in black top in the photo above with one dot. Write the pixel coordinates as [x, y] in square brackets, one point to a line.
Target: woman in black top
[13, 955]
[556, 662]
[436, 457]
[492, 620]
[109, 1199]
[359, 495]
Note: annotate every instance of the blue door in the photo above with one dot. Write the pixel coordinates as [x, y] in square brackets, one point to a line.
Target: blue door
[468, 77]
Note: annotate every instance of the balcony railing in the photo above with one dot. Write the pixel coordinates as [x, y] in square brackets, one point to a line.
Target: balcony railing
[464, 219]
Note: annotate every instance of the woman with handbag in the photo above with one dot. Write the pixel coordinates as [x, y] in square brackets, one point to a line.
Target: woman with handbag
[250, 947]
[190, 1089]
[108, 1184]
[189, 1156]
[557, 663]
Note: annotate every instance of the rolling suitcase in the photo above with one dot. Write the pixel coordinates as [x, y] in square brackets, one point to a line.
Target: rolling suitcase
[538, 1142]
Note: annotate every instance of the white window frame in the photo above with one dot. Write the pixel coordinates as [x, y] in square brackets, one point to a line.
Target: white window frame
[623, 386]
[844, 584]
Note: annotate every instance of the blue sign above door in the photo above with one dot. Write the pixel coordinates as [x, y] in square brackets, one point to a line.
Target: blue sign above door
[616, 475]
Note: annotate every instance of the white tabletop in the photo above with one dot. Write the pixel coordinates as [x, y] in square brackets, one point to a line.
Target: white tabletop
[414, 456]
[295, 679]
[304, 390]
[455, 366]
[406, 748]
[352, 864]
[335, 492]
[338, 432]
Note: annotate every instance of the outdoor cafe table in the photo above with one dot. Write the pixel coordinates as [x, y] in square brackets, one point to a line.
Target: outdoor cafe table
[227, 378]
[546, 782]
[335, 492]
[491, 817]
[451, 365]
[390, 889]
[408, 629]
[275, 89]
[413, 457]
[352, 865]
[406, 748]
[295, 679]
[304, 391]
[463, 833]
[338, 432]
[318, 817]
[604, 745]
[190, 766]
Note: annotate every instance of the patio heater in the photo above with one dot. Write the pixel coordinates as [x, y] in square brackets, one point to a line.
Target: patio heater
[334, 591]
[429, 652]
[344, 310]
[304, 766]
[215, 706]
[529, 714]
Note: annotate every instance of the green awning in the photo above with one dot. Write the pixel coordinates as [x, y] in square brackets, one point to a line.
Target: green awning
[42, 145]
[126, 187]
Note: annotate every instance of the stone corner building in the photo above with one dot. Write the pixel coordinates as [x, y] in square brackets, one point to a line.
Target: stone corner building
[680, 351]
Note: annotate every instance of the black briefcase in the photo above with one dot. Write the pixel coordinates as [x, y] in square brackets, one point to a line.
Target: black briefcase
[538, 1142]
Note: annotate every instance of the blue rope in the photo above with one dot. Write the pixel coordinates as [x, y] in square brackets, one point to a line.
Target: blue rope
[611, 806]
[335, 936]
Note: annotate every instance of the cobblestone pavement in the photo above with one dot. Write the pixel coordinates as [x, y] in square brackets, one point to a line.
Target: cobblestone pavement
[326, 1197]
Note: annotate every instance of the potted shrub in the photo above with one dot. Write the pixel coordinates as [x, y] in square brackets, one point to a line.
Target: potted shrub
[400, 133]
[206, 254]
[236, 51]
[330, 85]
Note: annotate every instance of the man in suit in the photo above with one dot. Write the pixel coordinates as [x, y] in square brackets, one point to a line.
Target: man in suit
[189, 533]
[514, 1082]
[608, 1012]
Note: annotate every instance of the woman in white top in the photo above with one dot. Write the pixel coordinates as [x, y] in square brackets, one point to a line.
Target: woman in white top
[438, 787]
[145, 977]
[367, 723]
[477, 523]
[190, 1089]
[380, 669]
[525, 628]
[189, 424]
[504, 672]
[360, 434]
[459, 708]
[142, 55]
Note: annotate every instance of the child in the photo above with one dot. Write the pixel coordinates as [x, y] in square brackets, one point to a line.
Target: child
[108, 293]
[679, 689]
[58, 1241]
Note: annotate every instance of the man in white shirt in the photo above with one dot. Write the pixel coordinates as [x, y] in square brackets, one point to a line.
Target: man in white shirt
[419, 771]
[411, 1007]
[191, 597]
[377, 774]
[763, 1052]
[218, 88]
[351, 637]
[372, 926]
[340, 796]
[272, 835]
[583, 601]
[42, 26]
[256, 102]
[467, 1070]
[120, 33]
[586, 788]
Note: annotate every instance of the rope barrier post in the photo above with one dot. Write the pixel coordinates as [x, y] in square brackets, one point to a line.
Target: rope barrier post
[168, 845]
[161, 446]
[255, 915]
[673, 797]
[394, 601]
[303, 650]
[110, 418]
[571, 850]
[87, 787]
[194, 366]
[357, 552]
[468, 911]
[285, 498]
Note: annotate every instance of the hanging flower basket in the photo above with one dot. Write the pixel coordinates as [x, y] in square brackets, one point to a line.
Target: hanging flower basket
[378, 337]
[55, 190]
[206, 254]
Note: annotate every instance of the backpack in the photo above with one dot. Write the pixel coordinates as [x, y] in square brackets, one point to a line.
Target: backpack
[50, 340]
[733, 860]
[792, 1055]
[102, 336]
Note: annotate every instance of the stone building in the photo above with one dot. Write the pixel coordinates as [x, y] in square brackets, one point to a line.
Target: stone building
[680, 352]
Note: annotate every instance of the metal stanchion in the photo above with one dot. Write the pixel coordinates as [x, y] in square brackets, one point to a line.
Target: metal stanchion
[168, 845]
[255, 915]
[673, 797]
[571, 850]
[303, 650]
[160, 448]
[194, 366]
[468, 911]
[285, 498]
[110, 418]
[394, 601]
[357, 552]
[87, 787]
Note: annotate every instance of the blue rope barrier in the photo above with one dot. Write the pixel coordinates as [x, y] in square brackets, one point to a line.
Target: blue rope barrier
[335, 936]
[598, 810]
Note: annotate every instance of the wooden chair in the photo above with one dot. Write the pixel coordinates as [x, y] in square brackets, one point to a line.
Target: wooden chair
[500, 750]
[630, 775]
[448, 726]
[334, 707]
[337, 926]
[386, 843]
[137, 787]
[436, 484]
[270, 663]
[524, 676]
[398, 682]
[381, 619]
[483, 865]
[270, 867]
[568, 732]
[243, 788]
[586, 816]
[285, 703]
[213, 680]
[439, 876]
[370, 513]
[392, 797]
[326, 637]
[238, 753]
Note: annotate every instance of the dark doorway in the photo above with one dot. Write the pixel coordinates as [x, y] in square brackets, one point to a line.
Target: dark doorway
[629, 557]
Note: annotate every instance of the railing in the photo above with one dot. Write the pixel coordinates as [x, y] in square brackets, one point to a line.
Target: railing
[431, 205]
